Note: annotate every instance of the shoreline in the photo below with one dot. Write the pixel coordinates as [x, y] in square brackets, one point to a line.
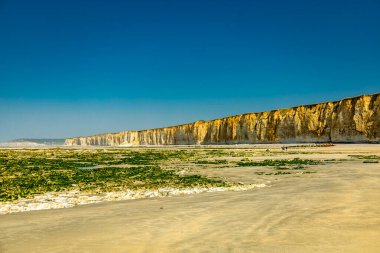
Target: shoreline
[57, 200]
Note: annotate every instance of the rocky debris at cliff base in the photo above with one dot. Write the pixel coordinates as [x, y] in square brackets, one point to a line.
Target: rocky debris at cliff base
[74, 198]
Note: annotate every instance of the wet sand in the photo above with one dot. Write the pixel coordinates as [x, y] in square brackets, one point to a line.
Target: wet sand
[336, 209]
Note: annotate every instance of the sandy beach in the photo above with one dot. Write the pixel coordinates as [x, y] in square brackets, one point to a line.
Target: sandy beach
[335, 209]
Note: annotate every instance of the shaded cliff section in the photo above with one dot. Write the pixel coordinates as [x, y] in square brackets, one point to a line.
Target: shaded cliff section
[349, 120]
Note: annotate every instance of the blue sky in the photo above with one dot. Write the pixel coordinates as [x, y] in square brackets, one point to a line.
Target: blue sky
[72, 68]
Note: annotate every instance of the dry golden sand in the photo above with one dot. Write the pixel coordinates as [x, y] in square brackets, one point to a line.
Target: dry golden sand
[336, 209]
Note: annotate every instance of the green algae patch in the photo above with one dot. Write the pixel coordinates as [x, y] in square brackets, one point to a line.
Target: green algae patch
[277, 163]
[28, 172]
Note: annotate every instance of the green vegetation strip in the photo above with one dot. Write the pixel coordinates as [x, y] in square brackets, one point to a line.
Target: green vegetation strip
[211, 162]
[366, 157]
[283, 162]
[25, 173]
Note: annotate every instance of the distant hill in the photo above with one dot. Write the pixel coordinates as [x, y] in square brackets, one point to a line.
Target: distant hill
[53, 142]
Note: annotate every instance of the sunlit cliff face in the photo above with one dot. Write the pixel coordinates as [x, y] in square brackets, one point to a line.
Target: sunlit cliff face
[349, 120]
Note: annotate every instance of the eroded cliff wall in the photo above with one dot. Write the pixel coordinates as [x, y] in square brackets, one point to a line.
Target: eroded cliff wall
[349, 120]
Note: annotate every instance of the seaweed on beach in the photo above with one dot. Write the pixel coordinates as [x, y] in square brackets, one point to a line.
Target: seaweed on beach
[366, 157]
[211, 162]
[25, 173]
[282, 162]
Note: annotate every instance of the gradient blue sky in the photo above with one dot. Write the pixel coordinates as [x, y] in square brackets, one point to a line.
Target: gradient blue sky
[72, 68]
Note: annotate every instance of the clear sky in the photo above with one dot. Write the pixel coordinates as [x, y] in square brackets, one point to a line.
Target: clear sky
[71, 67]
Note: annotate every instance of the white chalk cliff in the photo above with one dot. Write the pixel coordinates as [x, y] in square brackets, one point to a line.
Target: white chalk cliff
[349, 120]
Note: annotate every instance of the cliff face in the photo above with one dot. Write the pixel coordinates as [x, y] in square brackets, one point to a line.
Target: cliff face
[350, 120]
